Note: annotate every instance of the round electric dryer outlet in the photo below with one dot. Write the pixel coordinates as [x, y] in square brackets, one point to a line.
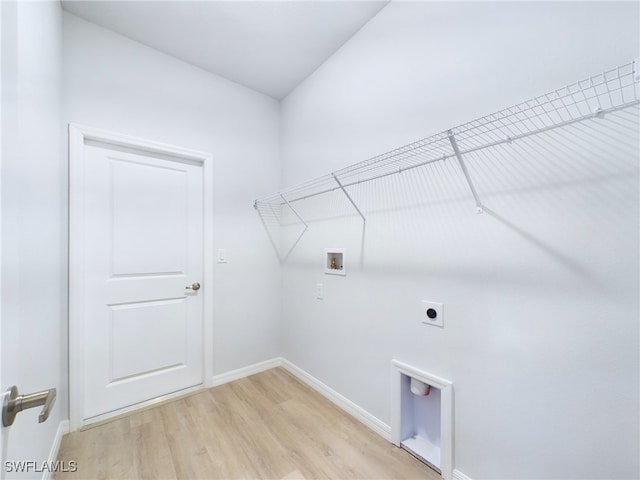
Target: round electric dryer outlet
[432, 313]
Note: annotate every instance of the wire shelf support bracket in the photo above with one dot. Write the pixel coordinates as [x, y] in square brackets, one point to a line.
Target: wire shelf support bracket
[271, 216]
[348, 197]
[467, 176]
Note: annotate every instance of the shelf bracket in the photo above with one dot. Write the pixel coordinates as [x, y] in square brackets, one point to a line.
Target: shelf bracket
[456, 150]
[274, 237]
[268, 230]
[294, 211]
[282, 259]
[348, 197]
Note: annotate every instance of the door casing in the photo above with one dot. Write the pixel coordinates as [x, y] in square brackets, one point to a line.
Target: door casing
[78, 135]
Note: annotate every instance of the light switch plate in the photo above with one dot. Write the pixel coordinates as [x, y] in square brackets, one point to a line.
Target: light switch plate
[319, 291]
[222, 255]
[432, 313]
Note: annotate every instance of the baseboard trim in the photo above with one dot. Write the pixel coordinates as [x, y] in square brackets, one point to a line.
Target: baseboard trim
[458, 475]
[344, 403]
[330, 394]
[245, 371]
[63, 429]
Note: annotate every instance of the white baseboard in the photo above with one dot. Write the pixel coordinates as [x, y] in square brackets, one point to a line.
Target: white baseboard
[63, 428]
[344, 403]
[245, 371]
[458, 475]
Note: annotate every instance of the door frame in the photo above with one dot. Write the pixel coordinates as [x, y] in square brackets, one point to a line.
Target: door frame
[78, 135]
[2, 123]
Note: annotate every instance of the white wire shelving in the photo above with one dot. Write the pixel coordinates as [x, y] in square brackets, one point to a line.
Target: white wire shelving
[594, 97]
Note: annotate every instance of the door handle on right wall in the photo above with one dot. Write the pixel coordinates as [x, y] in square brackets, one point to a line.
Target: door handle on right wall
[195, 286]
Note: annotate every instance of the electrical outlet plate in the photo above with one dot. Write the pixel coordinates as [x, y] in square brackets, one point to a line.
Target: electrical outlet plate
[435, 307]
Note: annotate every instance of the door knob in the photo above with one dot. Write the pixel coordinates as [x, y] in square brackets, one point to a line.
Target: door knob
[13, 404]
[195, 286]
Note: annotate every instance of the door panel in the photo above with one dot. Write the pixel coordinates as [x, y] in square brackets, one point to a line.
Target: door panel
[143, 244]
[150, 230]
[147, 337]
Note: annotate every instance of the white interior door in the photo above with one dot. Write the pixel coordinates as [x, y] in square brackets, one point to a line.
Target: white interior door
[139, 319]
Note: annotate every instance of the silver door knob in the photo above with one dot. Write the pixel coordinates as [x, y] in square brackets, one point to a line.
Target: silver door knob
[14, 404]
[195, 286]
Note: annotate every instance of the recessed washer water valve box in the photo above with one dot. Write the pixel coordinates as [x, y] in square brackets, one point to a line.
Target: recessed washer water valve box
[432, 313]
[335, 261]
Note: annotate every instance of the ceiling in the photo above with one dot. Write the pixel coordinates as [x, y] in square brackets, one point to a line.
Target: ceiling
[269, 46]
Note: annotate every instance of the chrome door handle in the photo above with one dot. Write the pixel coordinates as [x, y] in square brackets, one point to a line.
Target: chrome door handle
[13, 404]
[195, 286]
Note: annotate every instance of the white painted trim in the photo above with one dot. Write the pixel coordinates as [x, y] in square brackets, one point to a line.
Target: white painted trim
[399, 368]
[142, 405]
[247, 371]
[129, 141]
[344, 403]
[78, 134]
[3, 119]
[76, 263]
[63, 429]
[421, 375]
[458, 475]
[209, 262]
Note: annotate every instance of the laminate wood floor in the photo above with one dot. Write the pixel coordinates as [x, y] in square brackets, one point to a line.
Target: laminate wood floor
[269, 425]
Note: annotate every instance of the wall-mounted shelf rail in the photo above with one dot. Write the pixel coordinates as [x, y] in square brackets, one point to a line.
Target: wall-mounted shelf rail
[593, 97]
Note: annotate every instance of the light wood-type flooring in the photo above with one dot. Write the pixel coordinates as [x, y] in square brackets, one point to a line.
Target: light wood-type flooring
[268, 425]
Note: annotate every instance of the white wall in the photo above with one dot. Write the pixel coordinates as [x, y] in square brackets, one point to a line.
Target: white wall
[540, 292]
[116, 84]
[538, 395]
[33, 222]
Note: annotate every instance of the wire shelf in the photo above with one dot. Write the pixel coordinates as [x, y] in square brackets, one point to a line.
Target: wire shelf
[591, 98]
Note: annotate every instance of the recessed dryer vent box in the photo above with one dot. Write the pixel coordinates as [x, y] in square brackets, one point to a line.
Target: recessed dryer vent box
[335, 261]
[421, 416]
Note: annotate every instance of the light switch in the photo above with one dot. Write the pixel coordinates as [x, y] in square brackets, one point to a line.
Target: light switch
[222, 255]
[319, 291]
